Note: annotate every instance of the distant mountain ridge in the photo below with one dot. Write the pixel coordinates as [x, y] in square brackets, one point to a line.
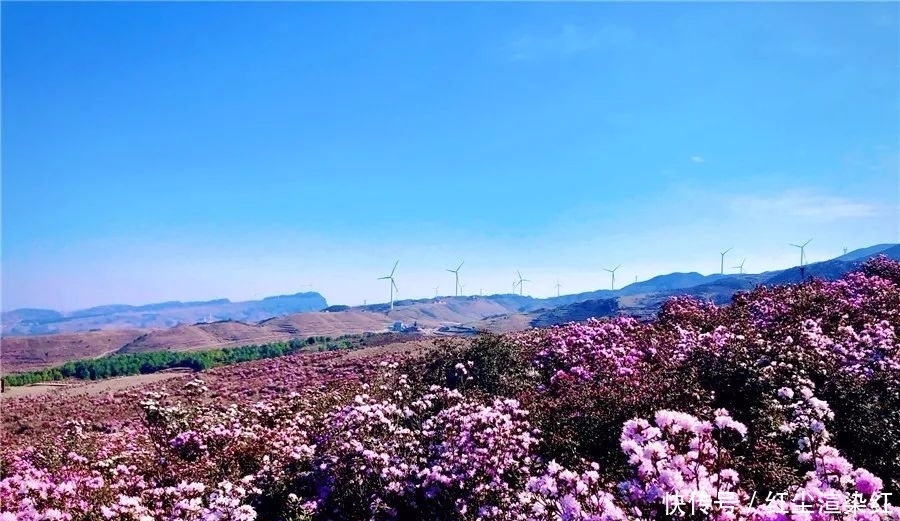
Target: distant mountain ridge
[638, 299]
[228, 324]
[871, 251]
[836, 268]
[30, 321]
[643, 299]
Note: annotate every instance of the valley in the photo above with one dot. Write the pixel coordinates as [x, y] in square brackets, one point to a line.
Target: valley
[493, 313]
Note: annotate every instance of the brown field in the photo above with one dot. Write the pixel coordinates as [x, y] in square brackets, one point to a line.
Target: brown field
[36, 412]
[38, 352]
[507, 323]
[331, 324]
[90, 388]
[203, 336]
[433, 314]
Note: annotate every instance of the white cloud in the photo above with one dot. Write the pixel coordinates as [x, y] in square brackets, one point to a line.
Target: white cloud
[803, 204]
[698, 159]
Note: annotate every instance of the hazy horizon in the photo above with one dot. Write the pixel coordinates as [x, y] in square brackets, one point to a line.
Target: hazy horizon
[162, 151]
[601, 277]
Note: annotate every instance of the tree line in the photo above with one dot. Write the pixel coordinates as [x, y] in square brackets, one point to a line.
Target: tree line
[151, 362]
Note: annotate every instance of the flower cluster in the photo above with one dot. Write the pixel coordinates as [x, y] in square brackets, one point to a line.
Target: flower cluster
[783, 405]
[678, 457]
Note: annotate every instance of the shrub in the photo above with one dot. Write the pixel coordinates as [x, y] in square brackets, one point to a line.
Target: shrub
[787, 397]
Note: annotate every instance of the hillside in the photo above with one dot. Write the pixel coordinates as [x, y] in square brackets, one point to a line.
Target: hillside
[23, 322]
[576, 312]
[36, 352]
[560, 408]
[329, 324]
[835, 268]
[643, 299]
[201, 336]
[498, 313]
[22, 353]
[865, 253]
[646, 297]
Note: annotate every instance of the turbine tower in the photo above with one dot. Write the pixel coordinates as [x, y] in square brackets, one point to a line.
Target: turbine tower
[802, 258]
[461, 286]
[519, 283]
[558, 285]
[845, 250]
[740, 266]
[613, 273]
[802, 251]
[393, 284]
[722, 264]
[456, 274]
[436, 291]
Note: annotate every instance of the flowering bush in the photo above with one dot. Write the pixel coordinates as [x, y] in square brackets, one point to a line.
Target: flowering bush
[783, 405]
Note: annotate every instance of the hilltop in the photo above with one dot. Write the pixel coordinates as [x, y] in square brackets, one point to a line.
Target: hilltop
[21, 353]
[451, 315]
[511, 415]
[19, 322]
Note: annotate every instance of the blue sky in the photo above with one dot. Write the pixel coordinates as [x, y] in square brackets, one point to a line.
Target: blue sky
[160, 151]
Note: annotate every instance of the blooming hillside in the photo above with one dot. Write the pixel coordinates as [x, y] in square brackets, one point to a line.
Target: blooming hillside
[784, 404]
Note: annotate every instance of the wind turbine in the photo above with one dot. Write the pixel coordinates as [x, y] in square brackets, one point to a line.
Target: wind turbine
[722, 264]
[435, 291]
[393, 284]
[845, 250]
[802, 251]
[519, 283]
[557, 287]
[456, 274]
[461, 286]
[740, 266]
[613, 273]
[802, 258]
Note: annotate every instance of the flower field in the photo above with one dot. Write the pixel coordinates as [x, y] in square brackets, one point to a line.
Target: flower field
[783, 405]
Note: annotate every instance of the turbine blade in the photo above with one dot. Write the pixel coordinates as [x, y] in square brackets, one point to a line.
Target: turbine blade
[395, 285]
[395, 268]
[383, 278]
[460, 265]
